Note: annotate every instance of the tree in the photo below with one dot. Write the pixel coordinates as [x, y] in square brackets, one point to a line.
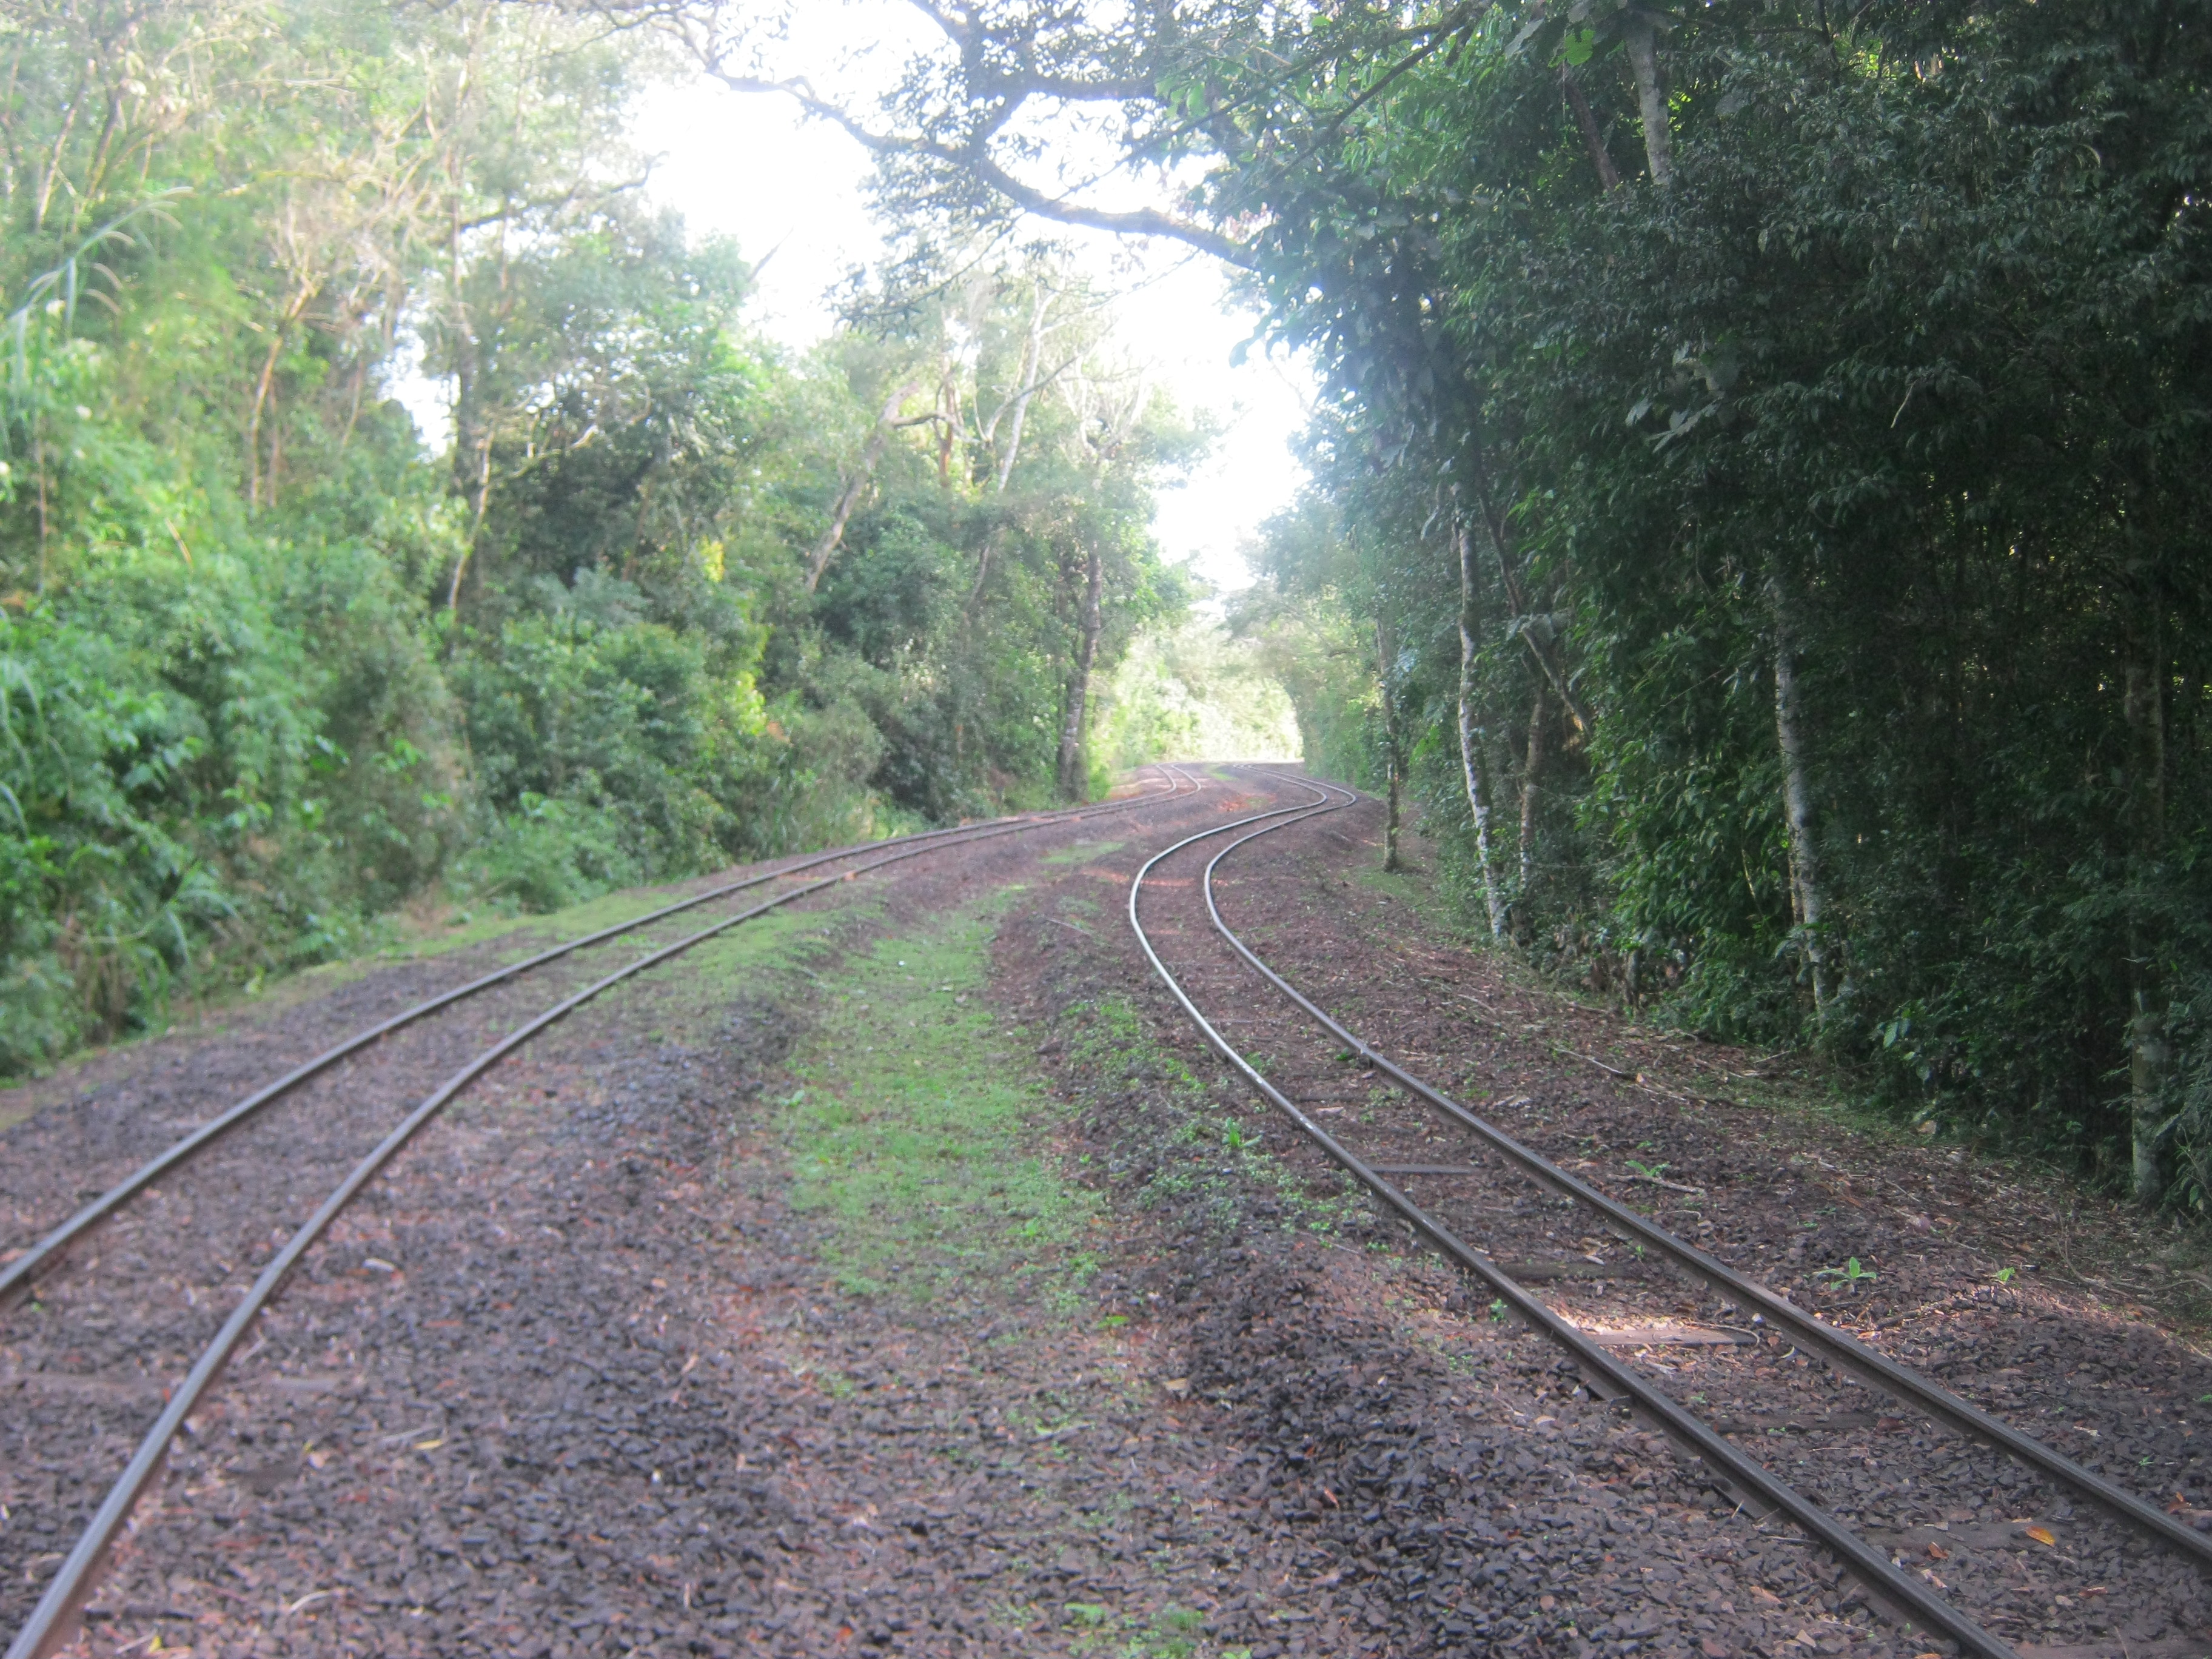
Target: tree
[663, 598]
[1825, 474]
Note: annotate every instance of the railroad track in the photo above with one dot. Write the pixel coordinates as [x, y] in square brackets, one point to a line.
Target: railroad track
[240, 1130]
[1508, 1218]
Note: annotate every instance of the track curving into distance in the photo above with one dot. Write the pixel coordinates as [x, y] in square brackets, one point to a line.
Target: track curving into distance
[51, 1620]
[1608, 1376]
[1840, 1347]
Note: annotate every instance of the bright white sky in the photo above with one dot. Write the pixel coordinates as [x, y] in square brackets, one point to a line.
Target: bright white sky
[748, 165]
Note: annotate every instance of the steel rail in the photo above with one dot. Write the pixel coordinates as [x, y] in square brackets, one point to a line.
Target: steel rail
[51, 1622]
[1871, 1567]
[16, 1276]
[1840, 1348]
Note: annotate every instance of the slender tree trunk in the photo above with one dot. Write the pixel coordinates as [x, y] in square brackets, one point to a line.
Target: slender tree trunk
[1532, 774]
[472, 430]
[1808, 898]
[1470, 745]
[1032, 360]
[261, 390]
[1073, 779]
[1393, 768]
[1541, 649]
[1013, 445]
[479, 489]
[948, 393]
[982, 570]
[253, 421]
[1608, 176]
[2149, 1056]
[1640, 39]
[1392, 814]
[870, 458]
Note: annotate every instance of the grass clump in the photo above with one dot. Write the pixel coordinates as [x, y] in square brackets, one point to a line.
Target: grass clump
[922, 1139]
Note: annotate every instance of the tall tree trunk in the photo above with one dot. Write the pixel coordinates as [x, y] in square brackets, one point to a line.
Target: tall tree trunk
[1393, 813]
[1032, 363]
[950, 435]
[870, 458]
[2149, 1056]
[1808, 898]
[1640, 38]
[254, 471]
[1074, 778]
[1608, 176]
[982, 572]
[1543, 649]
[1470, 745]
[1393, 768]
[471, 429]
[1532, 774]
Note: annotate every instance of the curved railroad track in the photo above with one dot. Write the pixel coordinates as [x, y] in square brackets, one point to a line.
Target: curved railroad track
[1495, 1207]
[267, 1162]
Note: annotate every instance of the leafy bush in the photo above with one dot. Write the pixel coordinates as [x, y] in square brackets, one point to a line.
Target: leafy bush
[102, 903]
[548, 854]
[267, 670]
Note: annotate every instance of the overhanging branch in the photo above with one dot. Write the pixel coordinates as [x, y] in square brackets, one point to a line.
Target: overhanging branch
[972, 159]
[1143, 221]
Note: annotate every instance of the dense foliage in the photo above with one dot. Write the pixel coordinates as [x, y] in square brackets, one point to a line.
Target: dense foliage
[270, 670]
[1766, 470]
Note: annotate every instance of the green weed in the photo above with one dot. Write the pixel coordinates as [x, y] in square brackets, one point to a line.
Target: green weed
[915, 1133]
[1850, 1273]
[1084, 852]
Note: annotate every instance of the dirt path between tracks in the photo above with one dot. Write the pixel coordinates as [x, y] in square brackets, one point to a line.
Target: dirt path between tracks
[906, 1280]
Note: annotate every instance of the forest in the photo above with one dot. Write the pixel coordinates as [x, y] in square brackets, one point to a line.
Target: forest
[1760, 483]
[1759, 458]
[277, 668]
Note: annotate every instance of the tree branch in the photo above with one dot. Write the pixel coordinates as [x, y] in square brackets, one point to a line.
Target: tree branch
[1140, 221]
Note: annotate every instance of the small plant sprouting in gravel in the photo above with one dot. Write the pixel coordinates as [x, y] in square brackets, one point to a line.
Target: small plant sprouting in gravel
[2004, 1277]
[1850, 1273]
[1498, 1310]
